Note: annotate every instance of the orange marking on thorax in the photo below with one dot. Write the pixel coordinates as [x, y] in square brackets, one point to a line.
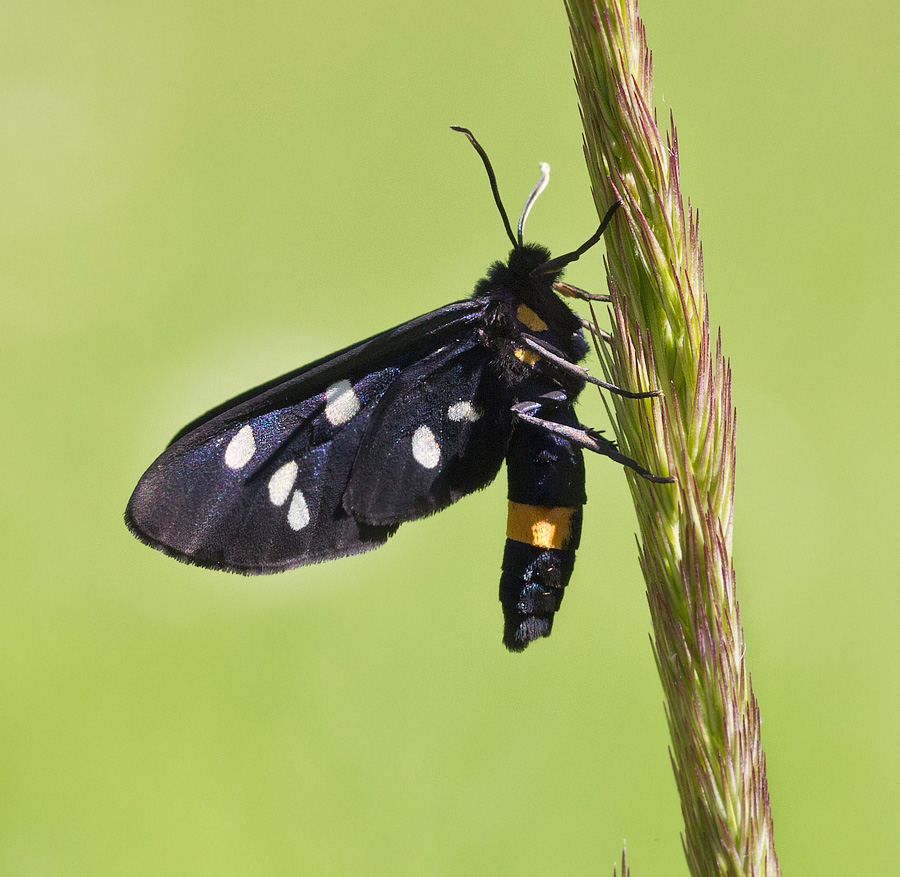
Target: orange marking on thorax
[525, 356]
[527, 317]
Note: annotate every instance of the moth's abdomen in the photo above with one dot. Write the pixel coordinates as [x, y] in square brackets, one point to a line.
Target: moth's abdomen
[546, 493]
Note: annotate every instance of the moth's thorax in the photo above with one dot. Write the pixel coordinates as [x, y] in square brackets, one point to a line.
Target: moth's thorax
[521, 302]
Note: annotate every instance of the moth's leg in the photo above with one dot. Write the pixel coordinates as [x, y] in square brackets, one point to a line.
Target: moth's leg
[545, 402]
[576, 292]
[588, 326]
[585, 438]
[562, 363]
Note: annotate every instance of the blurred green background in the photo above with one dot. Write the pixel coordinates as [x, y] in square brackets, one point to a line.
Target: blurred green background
[195, 197]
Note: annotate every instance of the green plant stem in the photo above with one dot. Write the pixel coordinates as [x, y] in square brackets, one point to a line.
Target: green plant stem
[662, 340]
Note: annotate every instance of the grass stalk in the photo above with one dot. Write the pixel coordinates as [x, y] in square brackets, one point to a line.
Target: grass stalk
[662, 340]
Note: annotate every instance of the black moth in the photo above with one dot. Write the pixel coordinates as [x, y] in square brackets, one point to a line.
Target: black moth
[330, 459]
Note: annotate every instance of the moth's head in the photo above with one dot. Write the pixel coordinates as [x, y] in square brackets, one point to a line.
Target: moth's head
[526, 258]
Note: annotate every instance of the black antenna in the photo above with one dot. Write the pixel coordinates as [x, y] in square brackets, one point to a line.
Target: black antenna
[491, 177]
[560, 262]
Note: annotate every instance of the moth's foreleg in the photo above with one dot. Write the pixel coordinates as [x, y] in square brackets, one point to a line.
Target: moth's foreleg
[570, 291]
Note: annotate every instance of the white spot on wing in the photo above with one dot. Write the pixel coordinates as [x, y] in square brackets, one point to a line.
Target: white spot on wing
[241, 448]
[425, 448]
[298, 511]
[281, 482]
[341, 403]
[463, 411]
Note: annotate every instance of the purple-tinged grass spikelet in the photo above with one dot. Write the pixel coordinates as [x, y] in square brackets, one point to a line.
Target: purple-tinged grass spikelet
[661, 339]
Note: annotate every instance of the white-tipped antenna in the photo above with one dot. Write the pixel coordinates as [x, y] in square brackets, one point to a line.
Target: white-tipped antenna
[529, 203]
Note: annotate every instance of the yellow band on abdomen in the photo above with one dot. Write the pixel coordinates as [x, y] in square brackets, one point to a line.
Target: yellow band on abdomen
[538, 525]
